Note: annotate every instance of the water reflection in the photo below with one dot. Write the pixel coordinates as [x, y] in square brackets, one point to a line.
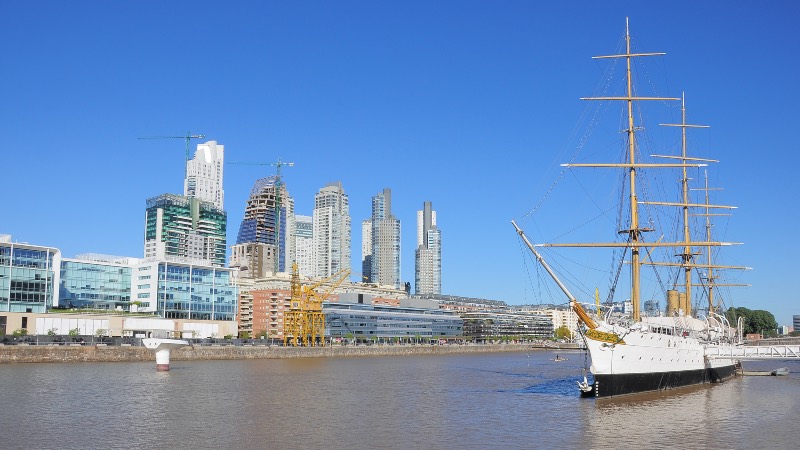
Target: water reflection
[501, 400]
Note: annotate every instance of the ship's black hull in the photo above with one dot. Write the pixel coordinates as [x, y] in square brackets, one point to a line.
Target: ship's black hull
[633, 383]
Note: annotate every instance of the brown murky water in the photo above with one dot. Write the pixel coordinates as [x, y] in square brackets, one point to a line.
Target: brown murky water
[501, 400]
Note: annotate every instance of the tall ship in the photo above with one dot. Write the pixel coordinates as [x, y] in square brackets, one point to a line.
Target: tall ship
[666, 348]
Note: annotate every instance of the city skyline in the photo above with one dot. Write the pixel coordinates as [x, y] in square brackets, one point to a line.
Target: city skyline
[409, 96]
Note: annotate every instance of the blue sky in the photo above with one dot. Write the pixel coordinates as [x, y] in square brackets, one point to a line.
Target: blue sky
[471, 105]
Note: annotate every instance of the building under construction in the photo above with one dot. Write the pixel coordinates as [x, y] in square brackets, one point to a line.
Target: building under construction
[265, 243]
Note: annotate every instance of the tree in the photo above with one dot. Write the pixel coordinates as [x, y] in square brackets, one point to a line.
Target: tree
[563, 332]
[733, 315]
[755, 321]
[763, 322]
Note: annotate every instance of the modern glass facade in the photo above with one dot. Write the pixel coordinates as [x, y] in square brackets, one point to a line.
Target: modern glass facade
[388, 322]
[95, 284]
[185, 291]
[28, 277]
[483, 325]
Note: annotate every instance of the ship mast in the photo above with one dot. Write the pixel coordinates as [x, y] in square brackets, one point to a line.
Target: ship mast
[635, 241]
[634, 233]
[687, 255]
[711, 277]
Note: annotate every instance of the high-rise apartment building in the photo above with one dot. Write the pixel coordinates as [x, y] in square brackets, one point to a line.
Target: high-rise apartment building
[428, 256]
[366, 250]
[185, 229]
[265, 243]
[204, 174]
[385, 267]
[304, 245]
[331, 231]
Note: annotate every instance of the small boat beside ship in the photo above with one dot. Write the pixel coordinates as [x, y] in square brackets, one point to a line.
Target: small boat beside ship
[638, 352]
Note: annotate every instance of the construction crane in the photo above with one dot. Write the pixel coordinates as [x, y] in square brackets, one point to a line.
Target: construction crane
[189, 136]
[278, 201]
[304, 323]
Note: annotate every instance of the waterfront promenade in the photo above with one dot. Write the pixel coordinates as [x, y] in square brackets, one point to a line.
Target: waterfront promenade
[197, 352]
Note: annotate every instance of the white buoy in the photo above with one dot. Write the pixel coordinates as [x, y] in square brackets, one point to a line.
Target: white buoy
[162, 348]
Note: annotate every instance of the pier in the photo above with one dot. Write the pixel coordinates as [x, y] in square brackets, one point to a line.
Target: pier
[755, 352]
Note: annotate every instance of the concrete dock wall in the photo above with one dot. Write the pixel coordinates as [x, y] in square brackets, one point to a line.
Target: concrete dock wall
[100, 353]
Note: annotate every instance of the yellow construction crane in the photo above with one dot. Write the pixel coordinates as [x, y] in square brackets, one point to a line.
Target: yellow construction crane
[304, 323]
[189, 136]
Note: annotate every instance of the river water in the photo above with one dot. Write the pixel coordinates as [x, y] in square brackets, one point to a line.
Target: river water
[496, 400]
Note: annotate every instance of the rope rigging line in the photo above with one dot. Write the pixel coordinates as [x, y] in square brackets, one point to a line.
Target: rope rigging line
[602, 88]
[602, 213]
[526, 255]
[613, 288]
[588, 195]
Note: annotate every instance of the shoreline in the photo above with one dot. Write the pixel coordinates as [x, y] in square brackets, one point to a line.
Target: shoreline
[20, 354]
